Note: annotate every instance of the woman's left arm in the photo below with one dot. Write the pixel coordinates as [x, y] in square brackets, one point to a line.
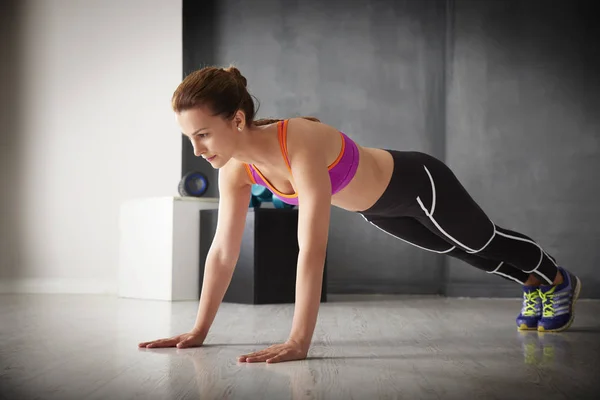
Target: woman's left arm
[313, 185]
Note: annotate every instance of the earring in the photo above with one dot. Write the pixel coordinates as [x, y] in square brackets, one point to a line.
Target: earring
[239, 128]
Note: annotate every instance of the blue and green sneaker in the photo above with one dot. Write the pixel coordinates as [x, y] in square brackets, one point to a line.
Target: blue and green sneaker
[558, 303]
[532, 309]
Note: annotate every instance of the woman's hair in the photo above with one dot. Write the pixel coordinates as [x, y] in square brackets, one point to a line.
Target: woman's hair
[223, 90]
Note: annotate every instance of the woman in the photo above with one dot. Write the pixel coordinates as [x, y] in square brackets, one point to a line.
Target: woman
[410, 195]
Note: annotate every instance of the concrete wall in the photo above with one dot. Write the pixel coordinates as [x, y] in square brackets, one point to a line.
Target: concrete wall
[505, 92]
[373, 69]
[523, 129]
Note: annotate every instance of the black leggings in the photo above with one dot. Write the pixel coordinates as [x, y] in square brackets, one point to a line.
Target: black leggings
[426, 206]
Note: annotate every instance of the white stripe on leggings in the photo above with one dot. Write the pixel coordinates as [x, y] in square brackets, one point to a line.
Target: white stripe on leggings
[550, 258]
[435, 251]
[430, 215]
[495, 272]
[468, 249]
[509, 277]
[497, 268]
[542, 253]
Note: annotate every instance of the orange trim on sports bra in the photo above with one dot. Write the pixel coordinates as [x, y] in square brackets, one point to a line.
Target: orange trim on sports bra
[341, 153]
[282, 134]
[282, 138]
[249, 173]
[270, 185]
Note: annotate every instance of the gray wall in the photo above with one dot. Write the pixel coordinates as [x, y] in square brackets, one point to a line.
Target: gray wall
[10, 47]
[500, 90]
[375, 70]
[199, 41]
[523, 128]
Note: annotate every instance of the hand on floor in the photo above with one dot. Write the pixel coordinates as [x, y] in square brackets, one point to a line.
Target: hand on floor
[191, 339]
[287, 351]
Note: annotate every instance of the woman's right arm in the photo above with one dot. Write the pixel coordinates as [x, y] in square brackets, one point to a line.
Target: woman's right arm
[234, 200]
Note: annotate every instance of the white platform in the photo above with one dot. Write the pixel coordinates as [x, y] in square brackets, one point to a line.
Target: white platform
[159, 247]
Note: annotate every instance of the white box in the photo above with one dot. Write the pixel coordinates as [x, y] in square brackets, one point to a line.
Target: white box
[159, 247]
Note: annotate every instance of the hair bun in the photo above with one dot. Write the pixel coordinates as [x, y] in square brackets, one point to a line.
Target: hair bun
[237, 75]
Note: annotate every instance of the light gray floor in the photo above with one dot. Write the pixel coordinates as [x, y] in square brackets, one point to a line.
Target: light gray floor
[365, 347]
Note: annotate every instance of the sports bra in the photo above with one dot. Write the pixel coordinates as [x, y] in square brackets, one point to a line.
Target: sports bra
[341, 171]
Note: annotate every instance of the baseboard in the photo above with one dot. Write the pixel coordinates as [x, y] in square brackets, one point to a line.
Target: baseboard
[381, 287]
[95, 286]
[58, 286]
[448, 290]
[503, 290]
[451, 289]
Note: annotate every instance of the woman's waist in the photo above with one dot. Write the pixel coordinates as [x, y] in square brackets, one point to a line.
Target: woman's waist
[373, 174]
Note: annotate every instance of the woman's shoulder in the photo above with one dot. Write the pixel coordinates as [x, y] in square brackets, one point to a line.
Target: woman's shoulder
[235, 172]
[316, 138]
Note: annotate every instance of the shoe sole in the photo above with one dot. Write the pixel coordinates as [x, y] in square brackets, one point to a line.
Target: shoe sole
[568, 324]
[524, 327]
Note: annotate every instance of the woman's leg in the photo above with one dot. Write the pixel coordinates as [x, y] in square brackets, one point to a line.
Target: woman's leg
[447, 210]
[413, 232]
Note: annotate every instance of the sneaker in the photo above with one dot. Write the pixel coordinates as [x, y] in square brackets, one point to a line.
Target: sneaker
[532, 309]
[558, 303]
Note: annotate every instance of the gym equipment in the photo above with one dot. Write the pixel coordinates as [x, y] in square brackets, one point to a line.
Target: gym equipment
[254, 202]
[280, 204]
[261, 194]
[193, 184]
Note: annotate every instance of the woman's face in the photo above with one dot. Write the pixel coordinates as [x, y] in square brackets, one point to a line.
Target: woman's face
[213, 138]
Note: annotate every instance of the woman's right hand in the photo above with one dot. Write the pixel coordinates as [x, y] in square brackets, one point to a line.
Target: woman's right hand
[191, 339]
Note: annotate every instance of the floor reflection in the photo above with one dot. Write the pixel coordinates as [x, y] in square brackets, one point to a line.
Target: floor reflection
[546, 348]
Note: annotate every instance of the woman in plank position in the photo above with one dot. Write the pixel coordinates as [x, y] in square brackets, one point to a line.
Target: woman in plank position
[408, 194]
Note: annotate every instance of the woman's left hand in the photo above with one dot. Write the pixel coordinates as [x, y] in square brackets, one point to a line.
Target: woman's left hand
[287, 351]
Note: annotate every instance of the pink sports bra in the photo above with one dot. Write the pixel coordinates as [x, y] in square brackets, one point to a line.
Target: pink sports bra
[341, 171]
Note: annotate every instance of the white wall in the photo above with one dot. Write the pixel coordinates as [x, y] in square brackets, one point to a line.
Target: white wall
[94, 130]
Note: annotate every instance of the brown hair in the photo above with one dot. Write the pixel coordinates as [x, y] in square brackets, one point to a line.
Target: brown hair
[223, 90]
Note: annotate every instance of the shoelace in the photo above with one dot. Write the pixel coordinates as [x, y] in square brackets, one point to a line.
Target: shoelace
[548, 302]
[530, 303]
